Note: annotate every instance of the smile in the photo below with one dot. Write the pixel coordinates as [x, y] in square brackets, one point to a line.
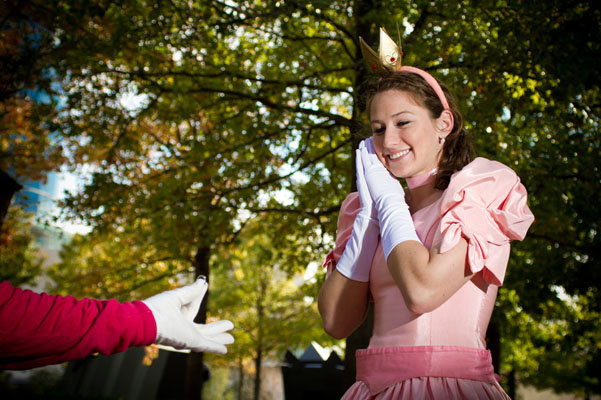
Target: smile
[400, 154]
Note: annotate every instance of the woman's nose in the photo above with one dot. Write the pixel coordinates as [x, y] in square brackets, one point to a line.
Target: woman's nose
[391, 139]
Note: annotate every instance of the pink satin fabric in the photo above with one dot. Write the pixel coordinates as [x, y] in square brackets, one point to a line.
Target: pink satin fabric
[395, 364]
[346, 217]
[485, 203]
[430, 388]
[421, 180]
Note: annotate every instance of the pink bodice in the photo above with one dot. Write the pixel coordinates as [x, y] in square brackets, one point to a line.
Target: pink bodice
[460, 321]
[486, 204]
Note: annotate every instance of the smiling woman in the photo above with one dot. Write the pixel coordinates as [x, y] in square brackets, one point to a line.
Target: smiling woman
[431, 259]
[406, 139]
[452, 148]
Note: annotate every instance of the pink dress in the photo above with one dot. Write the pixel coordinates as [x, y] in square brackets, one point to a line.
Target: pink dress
[442, 354]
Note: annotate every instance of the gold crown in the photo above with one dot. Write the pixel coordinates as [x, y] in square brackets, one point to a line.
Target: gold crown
[388, 57]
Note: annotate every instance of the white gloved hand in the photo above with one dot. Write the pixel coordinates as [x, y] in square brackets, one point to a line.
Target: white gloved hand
[396, 224]
[355, 262]
[174, 312]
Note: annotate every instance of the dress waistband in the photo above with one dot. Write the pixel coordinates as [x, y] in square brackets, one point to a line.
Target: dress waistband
[381, 367]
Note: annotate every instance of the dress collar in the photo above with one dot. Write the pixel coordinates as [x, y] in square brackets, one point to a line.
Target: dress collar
[421, 180]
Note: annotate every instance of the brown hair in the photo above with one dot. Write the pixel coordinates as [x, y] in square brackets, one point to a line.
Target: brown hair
[457, 150]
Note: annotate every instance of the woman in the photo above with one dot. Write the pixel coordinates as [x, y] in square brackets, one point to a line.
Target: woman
[430, 259]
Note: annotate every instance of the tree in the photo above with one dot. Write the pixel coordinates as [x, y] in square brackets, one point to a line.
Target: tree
[117, 265]
[20, 262]
[181, 161]
[28, 84]
[261, 293]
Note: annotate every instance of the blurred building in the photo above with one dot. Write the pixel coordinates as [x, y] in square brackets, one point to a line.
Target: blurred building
[312, 375]
[40, 199]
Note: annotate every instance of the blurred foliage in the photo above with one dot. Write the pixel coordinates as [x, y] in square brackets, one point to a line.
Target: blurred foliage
[26, 145]
[272, 306]
[117, 265]
[20, 262]
[199, 118]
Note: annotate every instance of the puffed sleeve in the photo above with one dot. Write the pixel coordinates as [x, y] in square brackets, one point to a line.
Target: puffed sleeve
[348, 211]
[486, 204]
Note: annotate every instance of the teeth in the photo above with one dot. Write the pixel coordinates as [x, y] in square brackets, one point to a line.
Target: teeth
[399, 154]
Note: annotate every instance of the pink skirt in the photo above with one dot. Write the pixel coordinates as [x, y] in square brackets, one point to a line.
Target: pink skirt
[424, 372]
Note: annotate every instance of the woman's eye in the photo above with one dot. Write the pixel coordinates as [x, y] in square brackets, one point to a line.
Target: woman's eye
[402, 123]
[378, 131]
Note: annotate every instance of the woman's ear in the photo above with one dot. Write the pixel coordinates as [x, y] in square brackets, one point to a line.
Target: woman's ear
[444, 123]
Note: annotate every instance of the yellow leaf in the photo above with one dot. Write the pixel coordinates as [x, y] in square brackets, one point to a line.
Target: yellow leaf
[238, 274]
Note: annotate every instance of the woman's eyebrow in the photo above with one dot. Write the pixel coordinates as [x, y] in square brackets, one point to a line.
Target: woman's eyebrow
[401, 112]
[393, 115]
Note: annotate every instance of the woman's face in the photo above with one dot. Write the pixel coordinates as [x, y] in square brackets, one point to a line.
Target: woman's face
[406, 138]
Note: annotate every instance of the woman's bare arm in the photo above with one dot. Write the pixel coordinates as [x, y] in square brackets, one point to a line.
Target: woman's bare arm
[342, 303]
[427, 278]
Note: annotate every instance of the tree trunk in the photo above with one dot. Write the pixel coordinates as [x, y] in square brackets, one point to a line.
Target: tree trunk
[9, 187]
[493, 341]
[259, 357]
[360, 8]
[240, 378]
[258, 361]
[511, 384]
[195, 372]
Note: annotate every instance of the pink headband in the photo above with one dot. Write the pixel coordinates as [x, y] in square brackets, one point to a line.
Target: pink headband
[431, 81]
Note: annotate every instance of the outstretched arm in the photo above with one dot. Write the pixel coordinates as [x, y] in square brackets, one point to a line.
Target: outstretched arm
[41, 329]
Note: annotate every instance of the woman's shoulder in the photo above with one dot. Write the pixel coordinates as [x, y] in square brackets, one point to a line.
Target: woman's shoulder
[483, 179]
[348, 211]
[351, 201]
[487, 190]
[485, 203]
[482, 167]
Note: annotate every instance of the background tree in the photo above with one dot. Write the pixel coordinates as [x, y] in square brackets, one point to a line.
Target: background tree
[29, 50]
[116, 265]
[204, 141]
[257, 287]
[20, 262]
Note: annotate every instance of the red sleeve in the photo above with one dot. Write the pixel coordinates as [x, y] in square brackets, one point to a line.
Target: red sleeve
[40, 329]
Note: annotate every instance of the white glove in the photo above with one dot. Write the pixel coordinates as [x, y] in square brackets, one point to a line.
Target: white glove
[396, 225]
[174, 312]
[355, 262]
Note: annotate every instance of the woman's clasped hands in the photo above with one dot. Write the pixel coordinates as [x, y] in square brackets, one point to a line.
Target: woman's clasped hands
[388, 196]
